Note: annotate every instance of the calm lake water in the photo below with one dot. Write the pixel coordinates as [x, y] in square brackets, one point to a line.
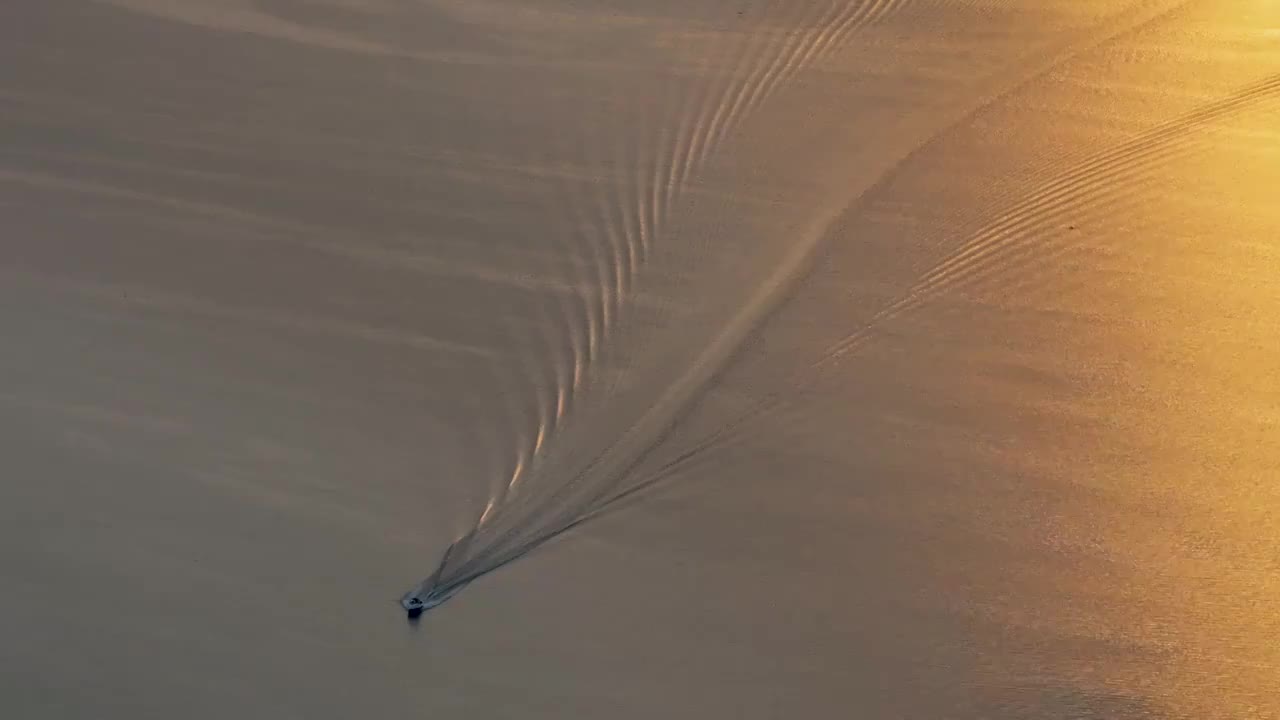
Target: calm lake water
[774, 358]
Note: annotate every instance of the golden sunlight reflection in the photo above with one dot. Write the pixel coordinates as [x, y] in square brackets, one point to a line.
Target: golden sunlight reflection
[1163, 247]
[1202, 402]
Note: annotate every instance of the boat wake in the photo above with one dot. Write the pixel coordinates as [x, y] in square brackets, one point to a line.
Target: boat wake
[514, 524]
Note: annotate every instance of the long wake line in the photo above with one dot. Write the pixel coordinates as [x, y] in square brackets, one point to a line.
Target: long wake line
[560, 512]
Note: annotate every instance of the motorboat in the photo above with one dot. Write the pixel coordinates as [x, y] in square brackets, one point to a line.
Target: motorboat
[419, 601]
[431, 592]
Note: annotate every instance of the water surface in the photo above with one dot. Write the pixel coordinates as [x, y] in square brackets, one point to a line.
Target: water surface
[907, 358]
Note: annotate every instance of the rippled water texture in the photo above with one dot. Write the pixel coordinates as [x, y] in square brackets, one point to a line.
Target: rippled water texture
[765, 358]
